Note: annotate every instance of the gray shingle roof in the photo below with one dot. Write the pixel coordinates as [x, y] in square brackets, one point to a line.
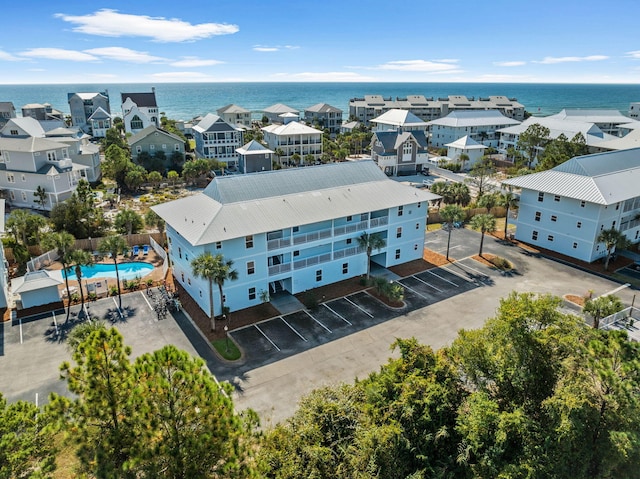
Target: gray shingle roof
[150, 130]
[240, 205]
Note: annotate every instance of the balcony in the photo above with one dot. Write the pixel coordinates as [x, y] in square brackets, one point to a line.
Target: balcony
[381, 221]
[352, 251]
[279, 268]
[278, 243]
[313, 236]
[352, 228]
[314, 260]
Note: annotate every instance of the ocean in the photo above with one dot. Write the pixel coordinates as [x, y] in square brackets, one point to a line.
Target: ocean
[183, 101]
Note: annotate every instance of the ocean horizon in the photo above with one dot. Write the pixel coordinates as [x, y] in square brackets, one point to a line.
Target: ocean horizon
[184, 101]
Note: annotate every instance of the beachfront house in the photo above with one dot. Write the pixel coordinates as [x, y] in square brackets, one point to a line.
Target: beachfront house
[99, 123]
[566, 208]
[29, 163]
[163, 148]
[480, 125]
[42, 112]
[235, 115]
[254, 157]
[273, 112]
[139, 110]
[215, 138]
[83, 105]
[293, 230]
[325, 116]
[293, 139]
[7, 111]
[399, 143]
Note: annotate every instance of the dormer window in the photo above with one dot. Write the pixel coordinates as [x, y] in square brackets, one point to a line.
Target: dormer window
[51, 156]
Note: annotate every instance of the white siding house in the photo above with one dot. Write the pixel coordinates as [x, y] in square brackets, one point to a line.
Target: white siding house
[293, 138]
[215, 138]
[293, 229]
[480, 125]
[566, 208]
[139, 110]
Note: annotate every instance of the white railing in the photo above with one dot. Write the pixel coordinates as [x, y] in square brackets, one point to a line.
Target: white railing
[625, 316]
[159, 250]
[381, 221]
[279, 268]
[343, 253]
[313, 236]
[278, 243]
[304, 263]
[43, 260]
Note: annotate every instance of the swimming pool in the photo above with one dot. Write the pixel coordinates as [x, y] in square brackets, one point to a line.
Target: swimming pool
[129, 270]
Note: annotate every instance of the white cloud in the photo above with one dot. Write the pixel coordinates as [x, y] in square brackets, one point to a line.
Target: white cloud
[634, 54]
[8, 57]
[111, 23]
[554, 60]
[194, 62]
[323, 76]
[447, 60]
[124, 55]
[277, 48]
[420, 66]
[59, 54]
[510, 64]
[179, 76]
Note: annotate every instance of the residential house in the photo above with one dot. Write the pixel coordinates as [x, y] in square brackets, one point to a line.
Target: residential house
[139, 110]
[22, 128]
[566, 208]
[609, 121]
[273, 112]
[291, 139]
[292, 230]
[465, 146]
[369, 107]
[215, 138]
[4, 265]
[27, 163]
[7, 111]
[42, 112]
[634, 110]
[157, 143]
[325, 116]
[593, 135]
[81, 151]
[253, 157]
[235, 115]
[399, 143]
[350, 126]
[83, 105]
[99, 122]
[480, 125]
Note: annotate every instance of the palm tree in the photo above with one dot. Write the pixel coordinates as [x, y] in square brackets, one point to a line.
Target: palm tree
[510, 201]
[488, 201]
[18, 225]
[463, 159]
[602, 307]
[369, 242]
[79, 258]
[451, 214]
[206, 266]
[114, 245]
[62, 242]
[486, 224]
[612, 239]
[224, 272]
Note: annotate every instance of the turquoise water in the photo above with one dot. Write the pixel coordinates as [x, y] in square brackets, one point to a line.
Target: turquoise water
[108, 270]
[184, 101]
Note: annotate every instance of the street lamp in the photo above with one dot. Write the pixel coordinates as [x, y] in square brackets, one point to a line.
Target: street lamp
[226, 332]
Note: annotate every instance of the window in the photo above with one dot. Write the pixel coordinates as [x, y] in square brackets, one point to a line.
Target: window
[24, 177]
[345, 268]
[541, 196]
[189, 281]
[550, 238]
[177, 147]
[575, 245]
[554, 218]
[248, 241]
[556, 198]
[579, 224]
[251, 267]
[613, 225]
[218, 244]
[180, 252]
[538, 215]
[152, 147]
[11, 178]
[24, 196]
[400, 210]
[319, 275]
[349, 218]
[138, 149]
[252, 294]
[164, 146]
[186, 256]
[136, 123]
[417, 226]
[582, 204]
[617, 206]
[415, 247]
[349, 240]
[534, 235]
[397, 254]
[419, 204]
[201, 293]
[182, 277]
[296, 229]
[14, 132]
[399, 232]
[296, 253]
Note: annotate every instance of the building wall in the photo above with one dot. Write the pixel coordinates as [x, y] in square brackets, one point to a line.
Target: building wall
[20, 187]
[302, 144]
[42, 296]
[303, 257]
[157, 142]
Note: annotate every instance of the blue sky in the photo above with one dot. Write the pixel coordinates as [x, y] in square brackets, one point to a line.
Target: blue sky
[301, 40]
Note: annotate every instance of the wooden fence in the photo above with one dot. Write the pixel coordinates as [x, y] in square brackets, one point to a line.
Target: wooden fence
[498, 212]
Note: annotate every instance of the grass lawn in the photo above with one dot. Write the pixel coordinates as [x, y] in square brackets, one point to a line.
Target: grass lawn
[227, 349]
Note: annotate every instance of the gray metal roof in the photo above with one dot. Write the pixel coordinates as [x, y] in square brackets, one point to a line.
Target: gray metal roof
[591, 115]
[240, 205]
[280, 108]
[29, 145]
[398, 117]
[390, 139]
[464, 118]
[253, 147]
[323, 108]
[603, 178]
[231, 108]
[35, 280]
[30, 125]
[213, 122]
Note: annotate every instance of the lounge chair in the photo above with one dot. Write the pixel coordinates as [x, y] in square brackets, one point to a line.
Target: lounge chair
[136, 251]
[145, 250]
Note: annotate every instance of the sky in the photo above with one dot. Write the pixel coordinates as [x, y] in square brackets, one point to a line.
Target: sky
[522, 41]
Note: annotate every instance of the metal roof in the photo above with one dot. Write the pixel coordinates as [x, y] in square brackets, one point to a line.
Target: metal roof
[35, 280]
[466, 142]
[232, 108]
[29, 145]
[280, 108]
[240, 205]
[149, 130]
[323, 108]
[398, 117]
[253, 147]
[591, 115]
[464, 118]
[213, 122]
[603, 178]
[291, 128]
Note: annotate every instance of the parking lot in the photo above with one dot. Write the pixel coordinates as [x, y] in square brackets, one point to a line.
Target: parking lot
[32, 349]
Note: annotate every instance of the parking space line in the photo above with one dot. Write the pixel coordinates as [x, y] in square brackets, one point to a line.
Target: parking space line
[337, 314]
[266, 337]
[309, 314]
[293, 329]
[364, 311]
[146, 300]
[428, 284]
[20, 322]
[443, 279]
[450, 270]
[117, 308]
[414, 291]
[55, 323]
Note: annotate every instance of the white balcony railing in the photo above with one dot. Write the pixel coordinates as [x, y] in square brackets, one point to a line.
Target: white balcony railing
[279, 268]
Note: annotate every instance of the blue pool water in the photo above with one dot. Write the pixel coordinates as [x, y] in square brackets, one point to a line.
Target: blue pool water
[108, 270]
